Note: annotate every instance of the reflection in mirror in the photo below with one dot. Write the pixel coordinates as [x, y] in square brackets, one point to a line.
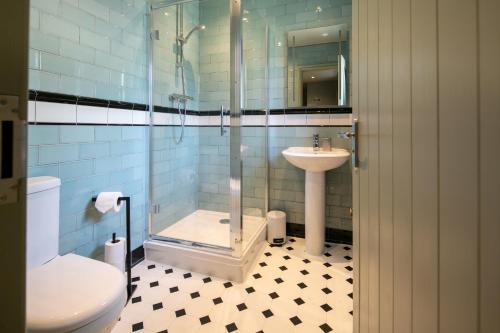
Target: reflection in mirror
[318, 66]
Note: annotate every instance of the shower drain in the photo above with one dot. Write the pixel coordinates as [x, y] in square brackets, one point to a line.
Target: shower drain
[224, 221]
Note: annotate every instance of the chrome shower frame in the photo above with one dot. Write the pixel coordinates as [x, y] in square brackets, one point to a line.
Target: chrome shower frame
[236, 60]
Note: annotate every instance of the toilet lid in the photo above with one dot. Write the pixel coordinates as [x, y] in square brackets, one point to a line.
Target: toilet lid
[71, 291]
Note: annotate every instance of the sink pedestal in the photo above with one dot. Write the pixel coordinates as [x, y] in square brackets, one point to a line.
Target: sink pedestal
[315, 212]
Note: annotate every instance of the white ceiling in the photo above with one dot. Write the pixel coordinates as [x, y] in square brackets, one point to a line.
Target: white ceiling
[319, 35]
[325, 74]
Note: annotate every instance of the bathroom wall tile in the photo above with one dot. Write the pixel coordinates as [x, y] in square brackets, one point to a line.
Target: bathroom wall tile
[57, 27]
[74, 170]
[91, 115]
[108, 133]
[72, 13]
[55, 113]
[43, 170]
[95, 8]
[77, 133]
[42, 135]
[94, 150]
[58, 153]
[119, 116]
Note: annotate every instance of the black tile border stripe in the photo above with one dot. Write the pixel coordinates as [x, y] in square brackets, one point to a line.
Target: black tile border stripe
[331, 235]
[44, 96]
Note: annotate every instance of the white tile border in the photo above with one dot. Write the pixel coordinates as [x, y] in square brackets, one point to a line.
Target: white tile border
[60, 113]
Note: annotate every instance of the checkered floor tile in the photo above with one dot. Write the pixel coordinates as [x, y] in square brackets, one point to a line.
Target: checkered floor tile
[287, 291]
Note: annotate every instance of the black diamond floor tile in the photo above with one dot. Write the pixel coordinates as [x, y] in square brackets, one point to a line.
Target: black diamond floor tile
[136, 299]
[257, 276]
[327, 264]
[267, 313]
[268, 254]
[287, 257]
[295, 320]
[195, 295]
[350, 280]
[291, 240]
[157, 306]
[347, 248]
[347, 258]
[217, 300]
[169, 271]
[299, 301]
[151, 266]
[327, 254]
[231, 327]
[135, 279]
[307, 261]
[154, 284]
[174, 290]
[187, 275]
[325, 328]
[302, 285]
[205, 320]
[241, 306]
[137, 327]
[328, 246]
[274, 295]
[283, 268]
[326, 290]
[278, 280]
[207, 280]
[289, 248]
[304, 272]
[262, 264]
[350, 295]
[349, 268]
[327, 276]
[250, 290]
[228, 284]
[326, 307]
[180, 313]
[350, 312]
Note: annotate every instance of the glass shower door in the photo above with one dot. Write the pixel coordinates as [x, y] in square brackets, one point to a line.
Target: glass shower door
[190, 137]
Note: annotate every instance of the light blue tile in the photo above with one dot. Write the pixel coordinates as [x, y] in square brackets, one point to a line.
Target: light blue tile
[77, 133]
[43, 134]
[108, 164]
[58, 153]
[73, 170]
[72, 240]
[32, 156]
[44, 170]
[90, 150]
[108, 133]
[55, 26]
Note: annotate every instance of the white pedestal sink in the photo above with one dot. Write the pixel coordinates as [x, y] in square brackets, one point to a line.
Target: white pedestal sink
[315, 163]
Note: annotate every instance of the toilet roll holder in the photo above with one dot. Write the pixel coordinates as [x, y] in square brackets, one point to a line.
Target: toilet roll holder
[128, 259]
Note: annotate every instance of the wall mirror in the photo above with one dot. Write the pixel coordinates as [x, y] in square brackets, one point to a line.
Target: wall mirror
[318, 66]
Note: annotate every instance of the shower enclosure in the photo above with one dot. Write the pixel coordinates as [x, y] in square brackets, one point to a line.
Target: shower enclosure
[208, 132]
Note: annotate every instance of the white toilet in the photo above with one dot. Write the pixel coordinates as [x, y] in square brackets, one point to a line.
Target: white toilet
[67, 293]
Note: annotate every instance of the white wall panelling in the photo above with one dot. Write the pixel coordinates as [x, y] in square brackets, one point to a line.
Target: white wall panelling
[424, 195]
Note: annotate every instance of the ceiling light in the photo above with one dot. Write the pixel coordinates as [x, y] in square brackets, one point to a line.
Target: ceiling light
[244, 19]
[324, 34]
[278, 44]
[313, 77]
[166, 14]
[319, 9]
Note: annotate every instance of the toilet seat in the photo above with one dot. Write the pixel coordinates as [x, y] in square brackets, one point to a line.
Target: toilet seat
[71, 292]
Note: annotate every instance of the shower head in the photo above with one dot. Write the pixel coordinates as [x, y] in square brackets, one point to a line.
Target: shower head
[195, 28]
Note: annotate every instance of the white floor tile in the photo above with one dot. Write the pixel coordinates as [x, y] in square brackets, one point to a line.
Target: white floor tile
[286, 291]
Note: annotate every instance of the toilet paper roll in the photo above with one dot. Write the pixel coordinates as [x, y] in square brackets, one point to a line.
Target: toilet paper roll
[108, 200]
[115, 253]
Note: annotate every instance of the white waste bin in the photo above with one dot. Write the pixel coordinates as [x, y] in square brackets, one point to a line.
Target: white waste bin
[276, 227]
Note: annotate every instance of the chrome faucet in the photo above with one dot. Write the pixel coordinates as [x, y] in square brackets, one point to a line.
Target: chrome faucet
[315, 142]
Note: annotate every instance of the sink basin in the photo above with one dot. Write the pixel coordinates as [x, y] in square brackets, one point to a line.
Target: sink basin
[316, 161]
